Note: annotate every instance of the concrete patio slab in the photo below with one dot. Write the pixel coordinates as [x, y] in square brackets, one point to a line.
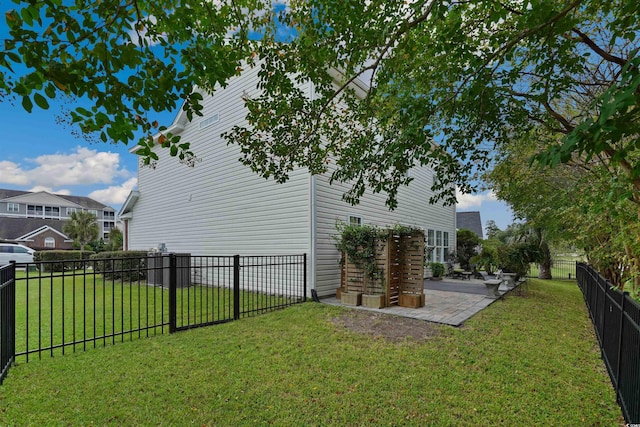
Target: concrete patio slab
[450, 307]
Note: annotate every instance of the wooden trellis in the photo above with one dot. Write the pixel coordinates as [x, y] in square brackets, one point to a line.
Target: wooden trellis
[400, 259]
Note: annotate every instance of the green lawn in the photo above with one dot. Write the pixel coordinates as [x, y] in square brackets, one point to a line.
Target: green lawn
[524, 361]
[76, 308]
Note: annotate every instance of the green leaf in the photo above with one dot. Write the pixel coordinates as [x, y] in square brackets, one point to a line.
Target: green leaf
[41, 101]
[27, 104]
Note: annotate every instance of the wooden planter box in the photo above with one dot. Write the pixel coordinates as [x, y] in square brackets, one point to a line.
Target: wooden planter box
[339, 292]
[351, 298]
[411, 300]
[373, 301]
[400, 260]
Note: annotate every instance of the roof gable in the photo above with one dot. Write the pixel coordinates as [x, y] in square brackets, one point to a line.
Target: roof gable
[32, 234]
[12, 228]
[42, 198]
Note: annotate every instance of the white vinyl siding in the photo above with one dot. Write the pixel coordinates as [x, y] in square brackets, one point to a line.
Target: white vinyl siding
[219, 207]
[413, 209]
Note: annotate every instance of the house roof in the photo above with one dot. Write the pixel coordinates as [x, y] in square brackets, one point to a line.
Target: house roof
[470, 221]
[127, 207]
[52, 199]
[15, 228]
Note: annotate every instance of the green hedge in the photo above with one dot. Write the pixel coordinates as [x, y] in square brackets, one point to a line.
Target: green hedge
[121, 265]
[63, 259]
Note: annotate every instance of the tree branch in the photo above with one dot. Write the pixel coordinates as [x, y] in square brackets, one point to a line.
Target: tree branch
[597, 49]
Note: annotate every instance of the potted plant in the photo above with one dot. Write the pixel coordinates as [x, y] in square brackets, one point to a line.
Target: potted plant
[358, 244]
[374, 296]
[437, 270]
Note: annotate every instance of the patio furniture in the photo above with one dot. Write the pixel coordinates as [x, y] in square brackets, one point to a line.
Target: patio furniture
[492, 287]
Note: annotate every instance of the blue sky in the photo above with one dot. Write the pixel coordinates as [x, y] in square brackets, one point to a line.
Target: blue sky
[38, 153]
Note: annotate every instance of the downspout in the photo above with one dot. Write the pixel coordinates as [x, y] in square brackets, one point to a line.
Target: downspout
[313, 233]
[313, 236]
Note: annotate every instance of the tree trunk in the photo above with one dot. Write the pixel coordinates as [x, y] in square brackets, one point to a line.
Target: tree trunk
[544, 270]
[544, 267]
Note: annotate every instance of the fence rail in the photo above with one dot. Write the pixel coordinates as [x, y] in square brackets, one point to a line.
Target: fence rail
[55, 307]
[560, 269]
[616, 320]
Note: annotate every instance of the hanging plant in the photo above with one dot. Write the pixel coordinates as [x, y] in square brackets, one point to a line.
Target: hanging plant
[358, 243]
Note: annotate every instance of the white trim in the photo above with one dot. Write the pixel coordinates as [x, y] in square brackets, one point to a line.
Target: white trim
[359, 217]
[41, 230]
[126, 211]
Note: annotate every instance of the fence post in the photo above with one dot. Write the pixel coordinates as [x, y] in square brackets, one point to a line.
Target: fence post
[173, 297]
[236, 287]
[7, 319]
[619, 351]
[304, 294]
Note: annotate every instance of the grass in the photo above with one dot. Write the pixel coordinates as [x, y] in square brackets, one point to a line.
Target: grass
[52, 310]
[559, 270]
[529, 360]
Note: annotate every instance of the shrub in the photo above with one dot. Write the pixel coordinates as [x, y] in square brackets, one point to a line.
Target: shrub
[437, 269]
[64, 259]
[121, 265]
[517, 257]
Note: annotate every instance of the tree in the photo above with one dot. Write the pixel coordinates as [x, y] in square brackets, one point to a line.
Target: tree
[579, 202]
[466, 247]
[115, 239]
[82, 227]
[491, 229]
[470, 76]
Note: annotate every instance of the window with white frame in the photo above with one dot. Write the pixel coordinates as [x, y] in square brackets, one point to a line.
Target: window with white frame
[355, 220]
[438, 242]
[70, 211]
[49, 242]
[445, 246]
[35, 210]
[93, 212]
[13, 207]
[51, 212]
[430, 245]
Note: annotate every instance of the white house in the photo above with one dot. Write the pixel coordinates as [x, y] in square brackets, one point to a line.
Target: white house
[220, 207]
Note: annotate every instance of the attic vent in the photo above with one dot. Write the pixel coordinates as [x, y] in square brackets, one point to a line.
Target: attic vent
[214, 118]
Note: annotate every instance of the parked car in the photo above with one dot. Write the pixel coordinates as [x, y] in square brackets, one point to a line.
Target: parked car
[15, 252]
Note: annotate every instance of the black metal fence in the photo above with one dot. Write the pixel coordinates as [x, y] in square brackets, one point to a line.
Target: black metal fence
[616, 320]
[7, 319]
[50, 308]
[560, 269]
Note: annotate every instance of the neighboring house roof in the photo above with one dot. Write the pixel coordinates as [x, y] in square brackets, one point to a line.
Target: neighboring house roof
[470, 221]
[24, 228]
[44, 197]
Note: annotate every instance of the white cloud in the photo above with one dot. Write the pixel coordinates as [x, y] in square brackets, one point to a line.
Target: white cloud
[466, 201]
[114, 195]
[10, 173]
[82, 167]
[38, 188]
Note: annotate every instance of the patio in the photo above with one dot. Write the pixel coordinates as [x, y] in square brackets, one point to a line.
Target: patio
[447, 301]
